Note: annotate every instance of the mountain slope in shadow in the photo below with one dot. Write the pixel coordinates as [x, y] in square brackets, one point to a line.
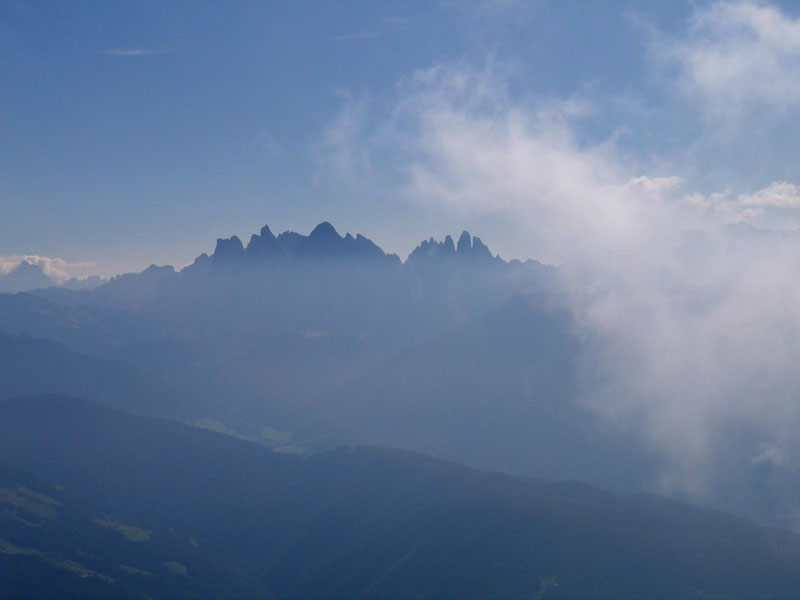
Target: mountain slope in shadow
[498, 393]
[135, 506]
[31, 366]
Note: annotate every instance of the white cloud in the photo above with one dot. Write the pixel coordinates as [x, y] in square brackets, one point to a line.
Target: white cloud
[463, 142]
[654, 185]
[773, 207]
[699, 332]
[737, 56]
[780, 194]
[56, 268]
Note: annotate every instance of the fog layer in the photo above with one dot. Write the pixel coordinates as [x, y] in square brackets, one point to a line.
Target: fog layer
[689, 312]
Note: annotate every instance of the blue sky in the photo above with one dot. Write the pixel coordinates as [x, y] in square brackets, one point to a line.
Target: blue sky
[138, 132]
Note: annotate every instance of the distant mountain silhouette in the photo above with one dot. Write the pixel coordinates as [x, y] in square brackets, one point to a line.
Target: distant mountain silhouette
[264, 245]
[34, 366]
[25, 277]
[135, 290]
[497, 392]
[72, 319]
[228, 251]
[322, 243]
[87, 283]
[328, 340]
[468, 249]
[105, 504]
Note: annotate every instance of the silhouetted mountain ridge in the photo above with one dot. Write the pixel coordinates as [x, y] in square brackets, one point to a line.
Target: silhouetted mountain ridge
[468, 249]
[31, 366]
[25, 276]
[323, 243]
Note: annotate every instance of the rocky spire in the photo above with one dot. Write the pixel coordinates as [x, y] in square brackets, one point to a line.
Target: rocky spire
[228, 251]
[264, 245]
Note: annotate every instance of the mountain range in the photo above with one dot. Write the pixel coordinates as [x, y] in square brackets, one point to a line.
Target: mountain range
[284, 335]
[223, 430]
[305, 343]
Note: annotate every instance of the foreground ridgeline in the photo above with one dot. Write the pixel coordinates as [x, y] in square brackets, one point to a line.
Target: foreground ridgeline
[95, 503]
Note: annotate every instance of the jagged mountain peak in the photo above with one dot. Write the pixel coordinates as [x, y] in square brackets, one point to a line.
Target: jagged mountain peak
[448, 245]
[322, 243]
[263, 245]
[24, 264]
[266, 232]
[325, 243]
[24, 277]
[324, 230]
[464, 242]
[228, 250]
[468, 248]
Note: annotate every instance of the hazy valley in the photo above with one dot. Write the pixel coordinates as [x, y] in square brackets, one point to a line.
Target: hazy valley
[596, 396]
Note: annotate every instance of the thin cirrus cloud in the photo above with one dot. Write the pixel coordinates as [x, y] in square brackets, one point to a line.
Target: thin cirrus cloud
[361, 35]
[135, 51]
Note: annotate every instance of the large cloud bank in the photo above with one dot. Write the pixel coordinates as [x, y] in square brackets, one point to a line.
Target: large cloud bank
[694, 316]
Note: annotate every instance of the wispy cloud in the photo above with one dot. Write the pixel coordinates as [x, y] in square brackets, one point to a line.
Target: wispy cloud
[344, 149]
[696, 337]
[135, 51]
[361, 35]
[268, 142]
[780, 194]
[400, 21]
[776, 206]
[737, 56]
[698, 331]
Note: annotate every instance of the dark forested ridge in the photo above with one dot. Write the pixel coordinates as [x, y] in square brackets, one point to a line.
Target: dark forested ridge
[105, 504]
